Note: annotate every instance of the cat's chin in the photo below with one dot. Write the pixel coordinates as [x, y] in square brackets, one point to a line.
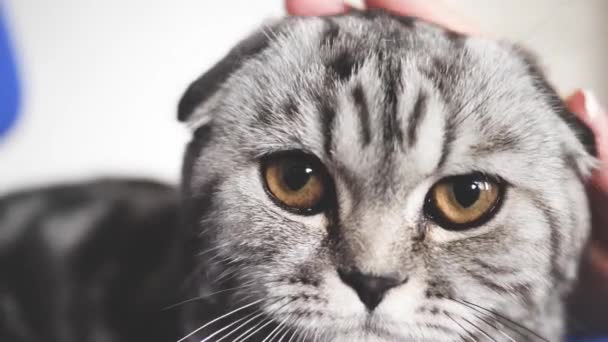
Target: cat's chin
[369, 327]
[248, 326]
[252, 324]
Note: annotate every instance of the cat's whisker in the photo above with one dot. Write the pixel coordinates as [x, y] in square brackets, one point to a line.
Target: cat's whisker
[264, 323]
[248, 333]
[478, 328]
[485, 314]
[260, 321]
[215, 261]
[226, 275]
[481, 317]
[284, 334]
[293, 335]
[251, 319]
[240, 326]
[209, 250]
[230, 270]
[469, 334]
[303, 338]
[505, 334]
[319, 335]
[225, 328]
[275, 330]
[287, 330]
[504, 318]
[277, 334]
[218, 259]
[219, 318]
[209, 295]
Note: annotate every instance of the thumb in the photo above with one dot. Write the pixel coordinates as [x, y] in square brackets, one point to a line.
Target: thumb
[586, 106]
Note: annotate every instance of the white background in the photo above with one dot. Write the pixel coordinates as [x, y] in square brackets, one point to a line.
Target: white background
[101, 79]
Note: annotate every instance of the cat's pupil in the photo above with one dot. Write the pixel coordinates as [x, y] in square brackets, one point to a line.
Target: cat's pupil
[296, 175]
[467, 192]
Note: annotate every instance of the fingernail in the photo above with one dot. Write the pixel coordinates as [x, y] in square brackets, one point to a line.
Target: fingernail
[356, 4]
[592, 105]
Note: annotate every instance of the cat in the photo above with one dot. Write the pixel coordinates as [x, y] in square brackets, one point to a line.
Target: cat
[359, 177]
[91, 262]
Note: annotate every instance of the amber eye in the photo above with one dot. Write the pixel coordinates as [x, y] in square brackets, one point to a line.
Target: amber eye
[296, 181]
[462, 202]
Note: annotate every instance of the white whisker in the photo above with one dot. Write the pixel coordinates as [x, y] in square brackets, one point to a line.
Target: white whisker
[275, 330]
[219, 318]
[246, 333]
[240, 326]
[206, 296]
[258, 329]
[224, 328]
[284, 334]
[305, 335]
[279, 333]
[295, 331]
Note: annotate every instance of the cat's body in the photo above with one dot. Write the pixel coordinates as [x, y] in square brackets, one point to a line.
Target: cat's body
[387, 108]
[91, 262]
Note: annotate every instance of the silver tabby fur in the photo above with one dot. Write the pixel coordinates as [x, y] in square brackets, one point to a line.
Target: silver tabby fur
[390, 106]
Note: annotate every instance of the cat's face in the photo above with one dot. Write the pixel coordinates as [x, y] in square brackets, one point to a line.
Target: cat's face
[371, 178]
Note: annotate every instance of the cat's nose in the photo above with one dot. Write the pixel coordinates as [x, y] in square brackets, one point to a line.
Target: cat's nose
[370, 289]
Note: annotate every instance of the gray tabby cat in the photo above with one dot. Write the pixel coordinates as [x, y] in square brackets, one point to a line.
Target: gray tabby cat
[363, 177]
[368, 177]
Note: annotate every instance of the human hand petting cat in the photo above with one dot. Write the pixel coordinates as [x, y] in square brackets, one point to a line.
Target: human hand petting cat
[582, 102]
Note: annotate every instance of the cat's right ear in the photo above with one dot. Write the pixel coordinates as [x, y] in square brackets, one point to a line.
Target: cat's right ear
[194, 106]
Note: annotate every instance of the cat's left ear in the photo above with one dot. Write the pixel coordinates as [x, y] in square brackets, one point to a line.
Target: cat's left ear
[579, 138]
[194, 106]
[585, 158]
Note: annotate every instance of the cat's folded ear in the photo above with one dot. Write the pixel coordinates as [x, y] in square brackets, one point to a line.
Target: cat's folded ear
[194, 106]
[579, 141]
[585, 159]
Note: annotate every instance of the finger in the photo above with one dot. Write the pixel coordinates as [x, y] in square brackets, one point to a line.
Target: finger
[435, 11]
[315, 7]
[585, 105]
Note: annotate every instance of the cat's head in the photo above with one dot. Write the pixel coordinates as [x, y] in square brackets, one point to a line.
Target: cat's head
[374, 177]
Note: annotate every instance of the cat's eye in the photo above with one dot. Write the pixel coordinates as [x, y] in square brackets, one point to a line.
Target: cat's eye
[463, 202]
[297, 181]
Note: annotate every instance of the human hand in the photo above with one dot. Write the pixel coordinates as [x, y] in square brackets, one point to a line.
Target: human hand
[435, 11]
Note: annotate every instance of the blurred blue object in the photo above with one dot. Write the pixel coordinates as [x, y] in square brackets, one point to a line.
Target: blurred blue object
[9, 86]
[588, 339]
